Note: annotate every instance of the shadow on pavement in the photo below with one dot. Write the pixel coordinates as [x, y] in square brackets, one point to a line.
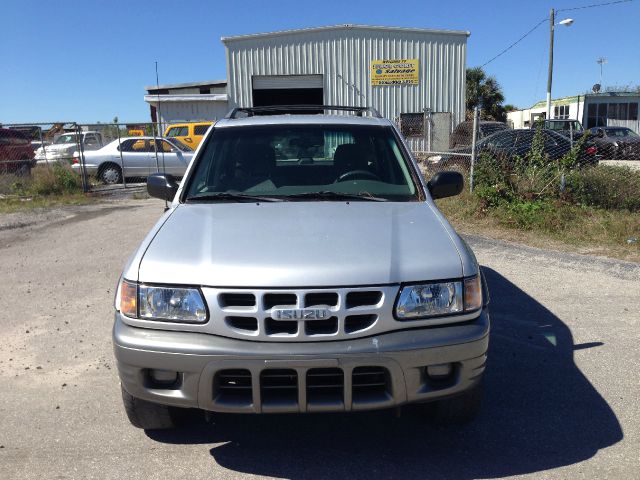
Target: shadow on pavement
[539, 412]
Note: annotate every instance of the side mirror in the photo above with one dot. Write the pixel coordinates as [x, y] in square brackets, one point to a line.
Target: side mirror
[162, 186]
[445, 184]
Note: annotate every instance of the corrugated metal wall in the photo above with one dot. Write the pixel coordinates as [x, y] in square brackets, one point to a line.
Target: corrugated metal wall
[343, 57]
[172, 112]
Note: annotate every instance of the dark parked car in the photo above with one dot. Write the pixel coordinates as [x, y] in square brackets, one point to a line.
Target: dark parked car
[511, 144]
[616, 143]
[16, 153]
[463, 134]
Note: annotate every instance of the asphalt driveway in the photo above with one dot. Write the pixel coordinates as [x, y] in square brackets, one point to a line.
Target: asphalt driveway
[561, 391]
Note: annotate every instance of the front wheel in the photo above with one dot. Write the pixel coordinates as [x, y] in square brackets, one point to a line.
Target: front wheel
[147, 415]
[460, 409]
[110, 174]
[24, 170]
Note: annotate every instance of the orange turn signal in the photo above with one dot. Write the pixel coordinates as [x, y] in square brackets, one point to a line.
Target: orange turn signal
[129, 299]
[472, 293]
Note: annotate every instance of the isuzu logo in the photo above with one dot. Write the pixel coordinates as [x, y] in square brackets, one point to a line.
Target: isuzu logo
[300, 313]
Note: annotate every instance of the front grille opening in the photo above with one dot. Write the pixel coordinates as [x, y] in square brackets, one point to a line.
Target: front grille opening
[321, 327]
[364, 298]
[280, 327]
[271, 300]
[279, 387]
[226, 300]
[325, 386]
[248, 324]
[233, 387]
[329, 299]
[370, 384]
[356, 323]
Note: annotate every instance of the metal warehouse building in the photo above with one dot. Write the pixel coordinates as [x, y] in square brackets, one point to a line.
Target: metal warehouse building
[402, 72]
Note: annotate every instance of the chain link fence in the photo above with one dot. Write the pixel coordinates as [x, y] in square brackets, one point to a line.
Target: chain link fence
[100, 156]
[528, 162]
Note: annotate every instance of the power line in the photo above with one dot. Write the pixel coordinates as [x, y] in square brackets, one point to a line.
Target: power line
[516, 42]
[593, 5]
[545, 20]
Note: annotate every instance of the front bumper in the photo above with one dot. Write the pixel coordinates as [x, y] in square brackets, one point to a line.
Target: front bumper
[228, 375]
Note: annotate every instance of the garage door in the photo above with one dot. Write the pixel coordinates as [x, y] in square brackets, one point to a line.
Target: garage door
[274, 90]
[273, 82]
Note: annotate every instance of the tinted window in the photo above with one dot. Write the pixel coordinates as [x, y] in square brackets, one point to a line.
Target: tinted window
[178, 132]
[200, 129]
[488, 128]
[281, 160]
[135, 145]
[502, 139]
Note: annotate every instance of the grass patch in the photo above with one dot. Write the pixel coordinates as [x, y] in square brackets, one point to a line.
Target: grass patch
[549, 223]
[12, 205]
[45, 187]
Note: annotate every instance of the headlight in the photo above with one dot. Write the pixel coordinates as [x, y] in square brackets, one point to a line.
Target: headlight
[177, 304]
[440, 298]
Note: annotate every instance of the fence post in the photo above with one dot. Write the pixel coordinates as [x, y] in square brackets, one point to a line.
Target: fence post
[426, 127]
[83, 170]
[155, 147]
[124, 182]
[44, 150]
[473, 147]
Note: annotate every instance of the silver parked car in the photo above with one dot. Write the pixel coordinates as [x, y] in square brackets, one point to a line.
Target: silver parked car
[302, 266]
[135, 157]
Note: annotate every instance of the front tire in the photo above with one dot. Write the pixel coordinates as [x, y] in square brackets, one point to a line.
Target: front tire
[147, 415]
[24, 170]
[110, 174]
[458, 410]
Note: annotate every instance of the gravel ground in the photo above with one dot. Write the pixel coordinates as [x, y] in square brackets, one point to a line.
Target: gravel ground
[561, 396]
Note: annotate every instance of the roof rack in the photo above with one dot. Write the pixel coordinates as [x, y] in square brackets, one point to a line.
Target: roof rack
[280, 109]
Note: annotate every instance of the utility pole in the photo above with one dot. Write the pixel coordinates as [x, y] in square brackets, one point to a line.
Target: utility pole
[552, 21]
[601, 61]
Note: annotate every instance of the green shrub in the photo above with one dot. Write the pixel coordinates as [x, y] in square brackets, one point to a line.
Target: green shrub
[609, 187]
[57, 179]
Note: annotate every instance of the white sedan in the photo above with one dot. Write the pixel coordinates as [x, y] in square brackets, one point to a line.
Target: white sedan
[135, 157]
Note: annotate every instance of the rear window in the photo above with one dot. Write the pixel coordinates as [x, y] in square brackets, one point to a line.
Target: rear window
[489, 128]
[200, 129]
[282, 160]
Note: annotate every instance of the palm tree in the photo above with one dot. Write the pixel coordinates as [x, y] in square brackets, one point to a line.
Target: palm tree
[484, 92]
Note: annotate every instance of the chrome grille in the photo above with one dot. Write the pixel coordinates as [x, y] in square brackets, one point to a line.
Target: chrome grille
[353, 312]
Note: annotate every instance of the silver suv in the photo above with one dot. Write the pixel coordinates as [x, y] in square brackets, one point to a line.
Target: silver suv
[302, 266]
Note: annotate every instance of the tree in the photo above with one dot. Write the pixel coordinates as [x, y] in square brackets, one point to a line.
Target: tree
[484, 92]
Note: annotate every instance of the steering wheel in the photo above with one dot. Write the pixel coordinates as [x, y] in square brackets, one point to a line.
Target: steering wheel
[362, 174]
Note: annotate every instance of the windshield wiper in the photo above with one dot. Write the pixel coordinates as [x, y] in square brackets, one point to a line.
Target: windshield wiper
[229, 196]
[328, 195]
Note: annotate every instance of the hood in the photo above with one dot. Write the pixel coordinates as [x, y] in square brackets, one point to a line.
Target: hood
[295, 244]
[62, 147]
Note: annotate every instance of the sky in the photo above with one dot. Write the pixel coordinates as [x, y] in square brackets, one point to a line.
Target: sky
[89, 61]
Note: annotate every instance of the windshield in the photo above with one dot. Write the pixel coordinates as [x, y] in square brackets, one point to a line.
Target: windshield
[67, 138]
[302, 160]
[181, 146]
[564, 125]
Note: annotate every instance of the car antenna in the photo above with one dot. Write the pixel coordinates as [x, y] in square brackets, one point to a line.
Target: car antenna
[164, 170]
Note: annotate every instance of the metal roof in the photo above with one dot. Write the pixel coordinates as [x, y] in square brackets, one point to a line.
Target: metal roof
[205, 83]
[195, 97]
[347, 26]
[574, 98]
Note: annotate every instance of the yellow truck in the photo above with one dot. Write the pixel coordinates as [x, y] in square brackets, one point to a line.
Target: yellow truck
[188, 133]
